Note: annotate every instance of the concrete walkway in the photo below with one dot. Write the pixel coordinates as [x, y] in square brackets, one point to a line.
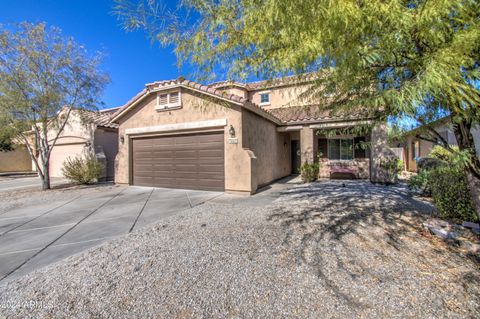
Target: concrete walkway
[33, 237]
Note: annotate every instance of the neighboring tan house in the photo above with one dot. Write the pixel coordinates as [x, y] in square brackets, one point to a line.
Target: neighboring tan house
[416, 148]
[86, 131]
[16, 160]
[234, 137]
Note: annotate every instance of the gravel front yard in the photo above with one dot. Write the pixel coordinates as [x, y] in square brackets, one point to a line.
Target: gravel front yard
[324, 250]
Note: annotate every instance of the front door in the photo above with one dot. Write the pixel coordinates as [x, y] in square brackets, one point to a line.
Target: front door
[296, 157]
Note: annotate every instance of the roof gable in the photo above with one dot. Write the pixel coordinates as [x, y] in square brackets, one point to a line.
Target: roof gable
[193, 86]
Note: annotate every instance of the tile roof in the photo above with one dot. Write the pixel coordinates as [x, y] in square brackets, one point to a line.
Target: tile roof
[206, 89]
[257, 85]
[222, 84]
[101, 118]
[312, 113]
[280, 116]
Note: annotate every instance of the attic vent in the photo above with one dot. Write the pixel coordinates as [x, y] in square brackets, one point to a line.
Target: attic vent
[174, 99]
[163, 99]
[168, 100]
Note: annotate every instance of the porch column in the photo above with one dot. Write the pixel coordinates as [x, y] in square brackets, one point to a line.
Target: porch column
[307, 145]
[380, 153]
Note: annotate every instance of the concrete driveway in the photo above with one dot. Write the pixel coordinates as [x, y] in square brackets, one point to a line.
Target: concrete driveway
[36, 235]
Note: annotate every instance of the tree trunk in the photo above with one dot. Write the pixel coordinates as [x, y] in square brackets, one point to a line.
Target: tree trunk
[474, 185]
[46, 175]
[466, 142]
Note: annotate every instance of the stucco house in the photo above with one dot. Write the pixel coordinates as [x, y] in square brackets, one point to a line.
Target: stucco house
[415, 148]
[235, 137]
[16, 160]
[86, 131]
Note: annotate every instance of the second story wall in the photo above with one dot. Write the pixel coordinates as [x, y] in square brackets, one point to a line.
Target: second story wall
[283, 96]
[76, 130]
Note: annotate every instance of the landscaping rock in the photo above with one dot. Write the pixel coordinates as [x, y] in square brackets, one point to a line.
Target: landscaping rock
[473, 248]
[319, 251]
[437, 223]
[443, 233]
[475, 227]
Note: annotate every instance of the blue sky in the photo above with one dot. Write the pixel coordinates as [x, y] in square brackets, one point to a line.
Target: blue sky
[131, 59]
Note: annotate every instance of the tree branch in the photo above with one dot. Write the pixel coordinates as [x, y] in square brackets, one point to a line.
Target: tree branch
[437, 135]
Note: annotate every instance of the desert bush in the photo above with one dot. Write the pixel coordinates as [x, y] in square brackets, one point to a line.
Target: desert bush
[450, 193]
[309, 172]
[82, 169]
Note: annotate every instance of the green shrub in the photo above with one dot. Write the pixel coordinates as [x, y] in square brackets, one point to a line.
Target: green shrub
[442, 176]
[443, 154]
[450, 193]
[400, 166]
[83, 170]
[309, 172]
[428, 163]
[421, 183]
[457, 158]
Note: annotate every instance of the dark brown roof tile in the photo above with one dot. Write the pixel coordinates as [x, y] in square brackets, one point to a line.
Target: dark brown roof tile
[312, 113]
[101, 118]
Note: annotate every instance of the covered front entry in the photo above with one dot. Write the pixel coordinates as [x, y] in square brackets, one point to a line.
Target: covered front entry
[189, 161]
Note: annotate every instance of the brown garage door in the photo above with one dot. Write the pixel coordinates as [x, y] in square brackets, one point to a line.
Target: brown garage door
[183, 161]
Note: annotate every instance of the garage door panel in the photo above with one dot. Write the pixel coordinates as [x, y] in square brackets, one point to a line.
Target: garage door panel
[210, 145]
[159, 162]
[186, 182]
[192, 168]
[185, 154]
[162, 141]
[162, 153]
[144, 180]
[139, 168]
[161, 173]
[167, 166]
[184, 161]
[210, 184]
[163, 181]
[146, 157]
[213, 153]
[208, 167]
[143, 142]
[211, 176]
[212, 138]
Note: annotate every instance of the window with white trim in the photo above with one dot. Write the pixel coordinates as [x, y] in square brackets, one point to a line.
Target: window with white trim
[166, 100]
[264, 98]
[340, 149]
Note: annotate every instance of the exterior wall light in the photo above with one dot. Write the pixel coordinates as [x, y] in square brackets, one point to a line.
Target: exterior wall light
[122, 139]
[231, 131]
